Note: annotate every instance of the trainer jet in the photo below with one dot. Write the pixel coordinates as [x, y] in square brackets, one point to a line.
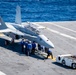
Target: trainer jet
[26, 30]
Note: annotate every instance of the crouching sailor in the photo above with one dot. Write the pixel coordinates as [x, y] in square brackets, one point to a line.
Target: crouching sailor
[49, 53]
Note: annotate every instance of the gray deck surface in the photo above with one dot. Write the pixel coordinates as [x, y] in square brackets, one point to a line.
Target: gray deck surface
[62, 34]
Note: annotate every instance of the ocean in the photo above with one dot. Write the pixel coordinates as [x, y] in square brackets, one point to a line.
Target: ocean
[39, 10]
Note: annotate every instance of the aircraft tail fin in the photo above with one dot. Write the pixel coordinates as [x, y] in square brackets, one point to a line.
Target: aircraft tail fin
[18, 15]
[2, 24]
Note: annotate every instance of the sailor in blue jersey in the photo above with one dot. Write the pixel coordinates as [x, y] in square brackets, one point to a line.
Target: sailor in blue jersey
[49, 53]
[22, 45]
[33, 47]
[29, 48]
[25, 46]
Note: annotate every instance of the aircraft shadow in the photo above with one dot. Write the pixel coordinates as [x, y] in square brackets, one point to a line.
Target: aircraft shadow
[63, 66]
[37, 57]
[17, 48]
[13, 47]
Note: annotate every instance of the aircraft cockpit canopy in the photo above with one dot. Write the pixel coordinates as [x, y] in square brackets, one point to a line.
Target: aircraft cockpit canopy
[33, 28]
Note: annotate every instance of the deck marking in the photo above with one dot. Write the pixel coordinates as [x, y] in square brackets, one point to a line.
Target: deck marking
[62, 34]
[1, 73]
[54, 59]
[64, 27]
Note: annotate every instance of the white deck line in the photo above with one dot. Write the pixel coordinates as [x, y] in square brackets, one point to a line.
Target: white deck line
[62, 34]
[1, 73]
[63, 27]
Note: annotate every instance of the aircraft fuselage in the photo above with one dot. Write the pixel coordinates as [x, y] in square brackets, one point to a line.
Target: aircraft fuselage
[32, 34]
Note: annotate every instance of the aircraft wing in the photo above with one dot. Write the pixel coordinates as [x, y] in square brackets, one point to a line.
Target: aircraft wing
[5, 29]
[34, 25]
[17, 32]
[38, 26]
[12, 31]
[22, 34]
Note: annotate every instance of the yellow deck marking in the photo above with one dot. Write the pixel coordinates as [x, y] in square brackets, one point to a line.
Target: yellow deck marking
[54, 59]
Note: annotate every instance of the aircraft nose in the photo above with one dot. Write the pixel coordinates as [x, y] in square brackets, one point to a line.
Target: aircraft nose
[46, 42]
[50, 44]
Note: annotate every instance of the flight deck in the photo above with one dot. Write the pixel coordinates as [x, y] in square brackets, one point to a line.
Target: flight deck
[63, 36]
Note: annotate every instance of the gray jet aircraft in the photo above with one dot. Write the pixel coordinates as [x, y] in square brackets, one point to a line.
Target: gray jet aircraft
[27, 30]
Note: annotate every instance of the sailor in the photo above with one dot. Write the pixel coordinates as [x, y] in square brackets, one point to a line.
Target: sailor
[29, 48]
[22, 45]
[39, 47]
[25, 46]
[49, 53]
[33, 47]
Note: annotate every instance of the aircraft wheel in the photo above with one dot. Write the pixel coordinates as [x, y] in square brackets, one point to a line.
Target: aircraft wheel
[74, 66]
[63, 62]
